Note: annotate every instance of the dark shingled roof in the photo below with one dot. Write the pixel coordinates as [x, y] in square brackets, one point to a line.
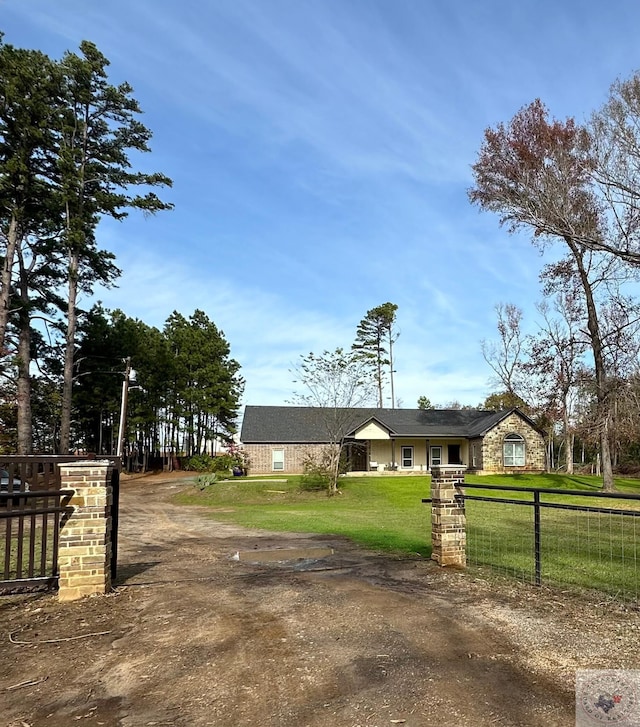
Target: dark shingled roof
[299, 424]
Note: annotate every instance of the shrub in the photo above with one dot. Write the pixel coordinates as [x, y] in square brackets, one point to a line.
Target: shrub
[240, 457]
[207, 463]
[222, 463]
[199, 463]
[317, 472]
[315, 481]
[206, 480]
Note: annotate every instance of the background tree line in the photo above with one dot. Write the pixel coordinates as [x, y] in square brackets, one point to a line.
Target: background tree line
[183, 400]
[549, 375]
[186, 393]
[67, 138]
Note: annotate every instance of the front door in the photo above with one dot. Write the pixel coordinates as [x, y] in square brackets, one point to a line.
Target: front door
[357, 459]
[454, 454]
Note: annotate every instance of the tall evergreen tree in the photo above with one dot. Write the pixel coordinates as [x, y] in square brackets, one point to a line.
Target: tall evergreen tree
[375, 337]
[65, 139]
[207, 385]
[29, 97]
[98, 129]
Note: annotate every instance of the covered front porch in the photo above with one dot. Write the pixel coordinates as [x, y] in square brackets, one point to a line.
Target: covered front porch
[406, 455]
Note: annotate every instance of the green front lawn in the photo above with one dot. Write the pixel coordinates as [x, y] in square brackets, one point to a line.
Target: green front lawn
[589, 550]
[383, 513]
[380, 512]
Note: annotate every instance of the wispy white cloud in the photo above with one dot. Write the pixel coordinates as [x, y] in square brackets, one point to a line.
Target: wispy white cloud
[321, 154]
[314, 77]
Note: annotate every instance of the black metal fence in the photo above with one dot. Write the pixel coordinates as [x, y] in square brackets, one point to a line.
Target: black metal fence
[564, 537]
[33, 507]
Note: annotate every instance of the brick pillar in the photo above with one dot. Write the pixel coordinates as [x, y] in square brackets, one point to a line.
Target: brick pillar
[84, 555]
[448, 522]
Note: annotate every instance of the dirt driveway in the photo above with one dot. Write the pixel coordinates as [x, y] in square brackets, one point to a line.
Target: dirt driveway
[193, 637]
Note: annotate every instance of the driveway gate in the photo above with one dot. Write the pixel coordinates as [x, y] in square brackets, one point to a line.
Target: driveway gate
[33, 508]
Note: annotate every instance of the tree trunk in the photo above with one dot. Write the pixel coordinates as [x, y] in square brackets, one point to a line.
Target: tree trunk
[67, 387]
[602, 389]
[25, 432]
[336, 451]
[568, 441]
[23, 384]
[393, 393]
[5, 279]
[605, 448]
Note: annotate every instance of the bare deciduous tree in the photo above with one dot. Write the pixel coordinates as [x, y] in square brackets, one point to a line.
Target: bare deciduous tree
[334, 383]
[505, 356]
[536, 173]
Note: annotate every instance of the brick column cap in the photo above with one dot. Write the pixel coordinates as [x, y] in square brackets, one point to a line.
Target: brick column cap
[85, 463]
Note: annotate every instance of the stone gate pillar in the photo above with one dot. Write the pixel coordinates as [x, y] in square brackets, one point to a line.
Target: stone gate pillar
[448, 522]
[84, 554]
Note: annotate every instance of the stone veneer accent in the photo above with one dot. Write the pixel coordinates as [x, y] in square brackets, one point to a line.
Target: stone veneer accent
[492, 447]
[260, 461]
[448, 521]
[478, 444]
[84, 555]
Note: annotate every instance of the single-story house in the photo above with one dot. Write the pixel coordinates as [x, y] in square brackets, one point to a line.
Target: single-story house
[279, 438]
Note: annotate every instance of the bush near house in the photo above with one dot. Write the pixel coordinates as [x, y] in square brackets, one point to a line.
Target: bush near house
[207, 463]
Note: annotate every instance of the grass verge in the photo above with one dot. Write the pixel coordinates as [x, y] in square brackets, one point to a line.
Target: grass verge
[588, 550]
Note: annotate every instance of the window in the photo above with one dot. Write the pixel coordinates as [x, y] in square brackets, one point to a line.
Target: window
[513, 451]
[474, 455]
[407, 457]
[436, 456]
[277, 459]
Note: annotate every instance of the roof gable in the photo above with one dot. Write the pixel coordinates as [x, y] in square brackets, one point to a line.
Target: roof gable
[498, 416]
[371, 429]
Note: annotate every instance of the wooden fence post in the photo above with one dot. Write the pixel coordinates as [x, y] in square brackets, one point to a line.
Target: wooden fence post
[448, 521]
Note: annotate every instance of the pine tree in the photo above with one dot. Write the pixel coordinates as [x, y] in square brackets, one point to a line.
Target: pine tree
[375, 337]
[97, 131]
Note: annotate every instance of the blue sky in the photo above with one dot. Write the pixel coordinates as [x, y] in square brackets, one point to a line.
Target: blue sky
[321, 153]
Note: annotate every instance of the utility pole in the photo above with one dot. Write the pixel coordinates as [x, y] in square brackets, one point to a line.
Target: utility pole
[391, 372]
[128, 373]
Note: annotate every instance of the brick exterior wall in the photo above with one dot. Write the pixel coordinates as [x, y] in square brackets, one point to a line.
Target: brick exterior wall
[84, 555]
[492, 446]
[261, 462]
[489, 451]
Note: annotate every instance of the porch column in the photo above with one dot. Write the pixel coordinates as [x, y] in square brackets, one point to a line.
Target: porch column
[84, 555]
[448, 521]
